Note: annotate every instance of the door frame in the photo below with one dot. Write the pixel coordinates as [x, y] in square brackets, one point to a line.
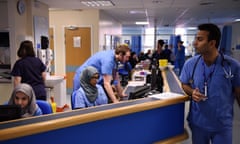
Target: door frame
[54, 48]
[64, 44]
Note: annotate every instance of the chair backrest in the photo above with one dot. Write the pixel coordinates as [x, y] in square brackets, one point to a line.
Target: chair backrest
[45, 106]
[73, 100]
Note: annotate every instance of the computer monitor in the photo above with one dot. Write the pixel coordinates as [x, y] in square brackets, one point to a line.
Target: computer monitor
[140, 92]
[10, 112]
[154, 78]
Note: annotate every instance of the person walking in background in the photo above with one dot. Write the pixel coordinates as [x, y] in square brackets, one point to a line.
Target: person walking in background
[180, 56]
[148, 55]
[24, 96]
[106, 62]
[158, 54]
[167, 53]
[212, 80]
[172, 55]
[90, 93]
[30, 69]
[133, 60]
[141, 56]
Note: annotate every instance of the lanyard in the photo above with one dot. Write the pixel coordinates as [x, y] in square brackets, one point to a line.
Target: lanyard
[207, 78]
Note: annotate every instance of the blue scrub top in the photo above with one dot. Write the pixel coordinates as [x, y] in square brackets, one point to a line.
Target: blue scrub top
[30, 69]
[38, 112]
[80, 100]
[216, 112]
[103, 61]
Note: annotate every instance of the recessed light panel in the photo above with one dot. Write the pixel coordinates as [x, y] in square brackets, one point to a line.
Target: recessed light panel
[94, 3]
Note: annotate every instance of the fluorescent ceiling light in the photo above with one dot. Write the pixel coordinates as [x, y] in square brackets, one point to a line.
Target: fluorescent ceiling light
[137, 12]
[142, 23]
[96, 3]
[191, 28]
[237, 20]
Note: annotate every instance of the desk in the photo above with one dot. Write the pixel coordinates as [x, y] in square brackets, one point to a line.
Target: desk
[141, 121]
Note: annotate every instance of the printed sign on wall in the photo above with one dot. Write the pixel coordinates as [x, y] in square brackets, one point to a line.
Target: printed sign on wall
[77, 42]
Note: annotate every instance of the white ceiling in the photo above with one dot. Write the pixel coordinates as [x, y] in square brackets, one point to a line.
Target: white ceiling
[176, 13]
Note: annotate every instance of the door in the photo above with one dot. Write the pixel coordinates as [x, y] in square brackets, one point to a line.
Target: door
[78, 50]
[51, 46]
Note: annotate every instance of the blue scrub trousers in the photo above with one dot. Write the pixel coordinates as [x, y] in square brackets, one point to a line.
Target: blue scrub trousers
[202, 136]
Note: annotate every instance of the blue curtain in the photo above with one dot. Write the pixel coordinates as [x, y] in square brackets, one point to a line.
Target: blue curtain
[225, 44]
[136, 44]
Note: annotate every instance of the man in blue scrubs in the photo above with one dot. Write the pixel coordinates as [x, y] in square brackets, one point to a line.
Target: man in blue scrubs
[212, 80]
[106, 62]
[180, 55]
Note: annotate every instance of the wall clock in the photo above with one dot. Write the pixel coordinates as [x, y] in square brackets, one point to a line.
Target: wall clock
[21, 7]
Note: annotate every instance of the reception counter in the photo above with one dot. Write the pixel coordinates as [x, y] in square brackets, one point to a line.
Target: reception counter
[141, 121]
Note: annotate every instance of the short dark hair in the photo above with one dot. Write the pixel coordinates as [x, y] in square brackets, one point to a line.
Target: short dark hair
[214, 32]
[161, 42]
[26, 49]
[122, 49]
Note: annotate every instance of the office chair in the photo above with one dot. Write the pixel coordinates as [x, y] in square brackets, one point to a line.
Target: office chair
[73, 100]
[45, 106]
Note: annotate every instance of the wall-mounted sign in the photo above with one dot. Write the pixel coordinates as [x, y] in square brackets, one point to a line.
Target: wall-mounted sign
[77, 42]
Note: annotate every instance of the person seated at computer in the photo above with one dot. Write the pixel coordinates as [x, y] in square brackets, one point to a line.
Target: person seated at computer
[125, 71]
[90, 93]
[24, 96]
[133, 60]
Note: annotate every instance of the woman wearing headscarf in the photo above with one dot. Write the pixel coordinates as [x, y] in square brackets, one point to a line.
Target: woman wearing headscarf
[90, 93]
[24, 96]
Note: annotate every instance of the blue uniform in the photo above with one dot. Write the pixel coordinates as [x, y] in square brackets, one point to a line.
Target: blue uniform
[180, 58]
[103, 61]
[80, 100]
[38, 112]
[216, 113]
[30, 69]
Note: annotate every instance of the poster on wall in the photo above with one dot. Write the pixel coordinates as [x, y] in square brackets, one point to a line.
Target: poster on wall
[77, 42]
[115, 41]
[111, 42]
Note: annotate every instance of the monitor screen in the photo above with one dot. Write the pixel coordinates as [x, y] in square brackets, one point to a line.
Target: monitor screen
[4, 39]
[155, 79]
[140, 92]
[9, 112]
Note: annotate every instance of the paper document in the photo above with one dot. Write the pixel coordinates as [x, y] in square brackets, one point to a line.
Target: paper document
[166, 95]
[135, 83]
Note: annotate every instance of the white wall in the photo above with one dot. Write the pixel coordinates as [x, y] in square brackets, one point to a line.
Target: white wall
[4, 14]
[20, 27]
[107, 25]
[236, 40]
[59, 19]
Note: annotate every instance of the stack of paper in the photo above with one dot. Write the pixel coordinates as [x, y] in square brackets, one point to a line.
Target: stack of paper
[166, 95]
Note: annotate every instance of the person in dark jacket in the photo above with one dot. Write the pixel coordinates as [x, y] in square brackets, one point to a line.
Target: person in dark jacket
[30, 69]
